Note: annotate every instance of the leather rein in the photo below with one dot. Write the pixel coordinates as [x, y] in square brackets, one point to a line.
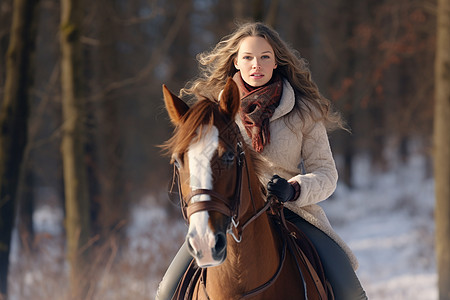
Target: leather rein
[231, 211]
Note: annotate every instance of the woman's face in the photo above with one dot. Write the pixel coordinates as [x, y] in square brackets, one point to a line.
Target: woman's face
[255, 60]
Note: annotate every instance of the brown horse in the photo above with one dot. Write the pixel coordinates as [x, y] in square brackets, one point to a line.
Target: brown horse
[231, 232]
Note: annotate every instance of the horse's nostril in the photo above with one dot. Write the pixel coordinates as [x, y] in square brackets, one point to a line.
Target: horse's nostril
[192, 250]
[221, 243]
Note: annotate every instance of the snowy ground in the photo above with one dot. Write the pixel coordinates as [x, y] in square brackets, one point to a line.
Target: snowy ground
[387, 220]
[388, 223]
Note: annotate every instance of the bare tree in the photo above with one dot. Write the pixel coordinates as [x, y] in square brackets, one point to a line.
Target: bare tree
[14, 121]
[72, 147]
[105, 140]
[442, 147]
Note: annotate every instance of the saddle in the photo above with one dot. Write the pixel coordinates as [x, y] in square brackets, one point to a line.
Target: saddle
[305, 253]
[297, 243]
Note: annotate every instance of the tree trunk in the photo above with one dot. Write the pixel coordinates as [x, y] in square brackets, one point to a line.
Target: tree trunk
[348, 67]
[72, 147]
[442, 147]
[25, 206]
[238, 10]
[14, 121]
[258, 10]
[272, 13]
[108, 204]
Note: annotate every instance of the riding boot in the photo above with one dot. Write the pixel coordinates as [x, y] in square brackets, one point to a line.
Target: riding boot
[336, 265]
[174, 273]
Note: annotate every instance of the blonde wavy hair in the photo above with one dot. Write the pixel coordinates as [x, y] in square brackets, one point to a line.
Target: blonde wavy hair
[218, 64]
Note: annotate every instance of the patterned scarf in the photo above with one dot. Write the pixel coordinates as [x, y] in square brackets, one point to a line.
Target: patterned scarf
[257, 106]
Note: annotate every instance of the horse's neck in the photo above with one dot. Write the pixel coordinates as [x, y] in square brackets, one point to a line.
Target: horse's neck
[252, 261]
[248, 265]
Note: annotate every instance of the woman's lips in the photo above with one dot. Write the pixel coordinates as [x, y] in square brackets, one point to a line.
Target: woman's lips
[257, 75]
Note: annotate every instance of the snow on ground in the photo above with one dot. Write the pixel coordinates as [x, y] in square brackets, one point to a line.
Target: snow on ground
[388, 223]
[387, 220]
[161, 244]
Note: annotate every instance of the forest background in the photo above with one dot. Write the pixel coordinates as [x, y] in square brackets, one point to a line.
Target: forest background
[374, 59]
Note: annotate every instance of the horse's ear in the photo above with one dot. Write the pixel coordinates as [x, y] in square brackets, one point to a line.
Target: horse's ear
[230, 100]
[174, 106]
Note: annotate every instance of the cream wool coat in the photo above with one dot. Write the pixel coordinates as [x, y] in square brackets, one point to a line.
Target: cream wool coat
[294, 142]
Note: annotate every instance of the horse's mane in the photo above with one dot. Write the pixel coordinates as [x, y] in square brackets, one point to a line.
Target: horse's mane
[202, 115]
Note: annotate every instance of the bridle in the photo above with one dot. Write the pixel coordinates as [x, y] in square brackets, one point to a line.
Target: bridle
[228, 207]
[223, 206]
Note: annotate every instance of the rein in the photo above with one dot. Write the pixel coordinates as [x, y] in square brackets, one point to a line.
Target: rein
[264, 286]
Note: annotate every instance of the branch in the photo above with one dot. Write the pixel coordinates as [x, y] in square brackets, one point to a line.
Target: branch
[155, 58]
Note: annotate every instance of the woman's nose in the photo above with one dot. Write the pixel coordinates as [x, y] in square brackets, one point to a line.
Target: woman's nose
[256, 65]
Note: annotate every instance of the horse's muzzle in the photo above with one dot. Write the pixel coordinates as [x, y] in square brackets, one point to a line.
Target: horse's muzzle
[205, 254]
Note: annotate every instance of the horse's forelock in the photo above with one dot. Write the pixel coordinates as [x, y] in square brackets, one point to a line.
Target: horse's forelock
[200, 116]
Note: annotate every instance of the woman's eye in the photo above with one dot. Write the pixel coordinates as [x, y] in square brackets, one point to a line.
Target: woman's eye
[265, 57]
[247, 57]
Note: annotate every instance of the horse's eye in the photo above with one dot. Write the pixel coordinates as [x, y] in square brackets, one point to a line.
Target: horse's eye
[228, 157]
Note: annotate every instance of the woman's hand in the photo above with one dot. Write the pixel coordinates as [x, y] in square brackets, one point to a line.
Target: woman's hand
[281, 188]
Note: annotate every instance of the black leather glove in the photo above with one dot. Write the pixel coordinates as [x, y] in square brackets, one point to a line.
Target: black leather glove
[280, 188]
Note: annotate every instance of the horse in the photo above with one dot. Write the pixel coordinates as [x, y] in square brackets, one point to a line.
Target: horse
[234, 233]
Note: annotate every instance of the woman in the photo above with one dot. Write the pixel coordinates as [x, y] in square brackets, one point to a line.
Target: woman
[285, 118]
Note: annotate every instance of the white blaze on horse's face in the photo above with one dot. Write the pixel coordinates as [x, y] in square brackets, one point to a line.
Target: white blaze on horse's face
[201, 239]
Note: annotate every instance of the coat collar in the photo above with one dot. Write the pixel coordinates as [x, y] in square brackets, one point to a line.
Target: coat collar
[287, 101]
